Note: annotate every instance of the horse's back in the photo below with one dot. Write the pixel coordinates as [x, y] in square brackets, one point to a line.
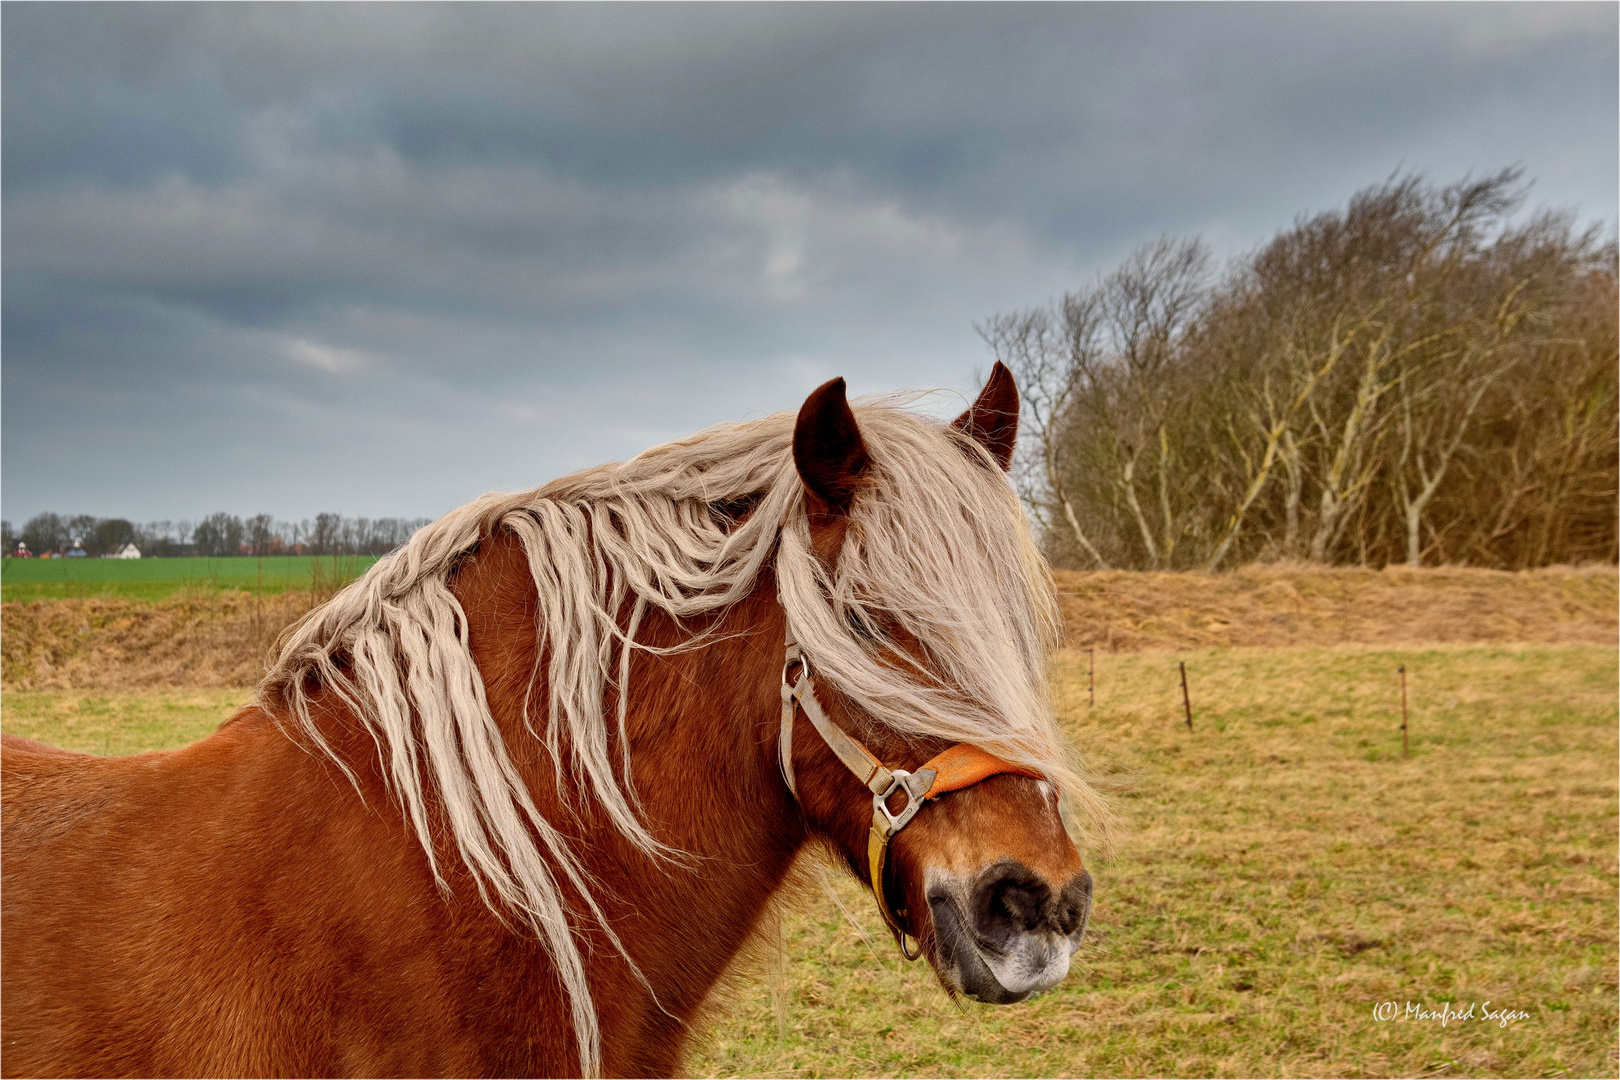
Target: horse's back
[18, 744]
[53, 797]
[47, 794]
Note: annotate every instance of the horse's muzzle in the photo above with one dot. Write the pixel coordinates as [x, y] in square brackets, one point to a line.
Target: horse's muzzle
[1007, 932]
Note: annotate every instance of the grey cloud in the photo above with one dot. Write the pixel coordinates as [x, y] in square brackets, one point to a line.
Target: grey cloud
[458, 246]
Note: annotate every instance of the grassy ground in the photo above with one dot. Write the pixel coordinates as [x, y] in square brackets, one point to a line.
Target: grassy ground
[1282, 872]
[27, 580]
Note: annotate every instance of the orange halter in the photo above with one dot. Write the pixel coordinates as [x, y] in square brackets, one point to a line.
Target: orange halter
[957, 767]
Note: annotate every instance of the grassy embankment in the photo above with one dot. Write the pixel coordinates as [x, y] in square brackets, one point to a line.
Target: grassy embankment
[218, 637]
[1281, 871]
[113, 624]
[24, 580]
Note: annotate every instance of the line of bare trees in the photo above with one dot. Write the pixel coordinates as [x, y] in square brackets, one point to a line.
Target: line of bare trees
[216, 535]
[1421, 377]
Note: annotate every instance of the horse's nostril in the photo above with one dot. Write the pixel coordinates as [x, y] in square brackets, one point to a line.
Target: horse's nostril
[1022, 905]
[1073, 904]
[1008, 899]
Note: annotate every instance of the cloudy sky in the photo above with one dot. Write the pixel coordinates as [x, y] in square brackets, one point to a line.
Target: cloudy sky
[378, 259]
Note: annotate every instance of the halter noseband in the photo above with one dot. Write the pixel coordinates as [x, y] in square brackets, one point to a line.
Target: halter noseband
[960, 766]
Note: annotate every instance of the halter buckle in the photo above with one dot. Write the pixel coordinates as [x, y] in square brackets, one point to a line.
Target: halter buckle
[915, 785]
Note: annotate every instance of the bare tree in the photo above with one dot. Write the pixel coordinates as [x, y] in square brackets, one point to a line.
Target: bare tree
[326, 534]
[1098, 372]
[220, 534]
[260, 533]
[45, 532]
[1039, 350]
[1409, 378]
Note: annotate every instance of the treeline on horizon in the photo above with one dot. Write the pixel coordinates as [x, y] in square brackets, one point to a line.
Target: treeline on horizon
[1420, 377]
[214, 536]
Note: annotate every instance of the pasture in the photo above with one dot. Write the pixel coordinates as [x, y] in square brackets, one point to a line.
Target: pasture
[1280, 872]
[23, 580]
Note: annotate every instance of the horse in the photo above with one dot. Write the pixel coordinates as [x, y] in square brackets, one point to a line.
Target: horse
[511, 802]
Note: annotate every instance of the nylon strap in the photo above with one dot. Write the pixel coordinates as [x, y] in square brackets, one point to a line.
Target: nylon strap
[856, 758]
[953, 769]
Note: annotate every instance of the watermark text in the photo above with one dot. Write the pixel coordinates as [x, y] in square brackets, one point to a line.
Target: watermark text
[1447, 1012]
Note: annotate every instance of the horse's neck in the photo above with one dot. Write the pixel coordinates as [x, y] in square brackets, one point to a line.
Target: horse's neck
[701, 724]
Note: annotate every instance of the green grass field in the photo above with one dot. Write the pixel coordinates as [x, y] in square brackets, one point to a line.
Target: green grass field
[154, 579]
[1281, 871]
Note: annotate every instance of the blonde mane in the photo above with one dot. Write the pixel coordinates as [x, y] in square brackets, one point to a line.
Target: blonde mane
[937, 546]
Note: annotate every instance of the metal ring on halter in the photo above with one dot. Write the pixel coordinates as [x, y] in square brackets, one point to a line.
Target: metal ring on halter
[915, 785]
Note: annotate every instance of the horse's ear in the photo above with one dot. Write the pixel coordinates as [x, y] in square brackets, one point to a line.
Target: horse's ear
[993, 419]
[828, 448]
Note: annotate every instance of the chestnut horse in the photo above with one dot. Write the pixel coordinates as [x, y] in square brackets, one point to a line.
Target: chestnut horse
[510, 803]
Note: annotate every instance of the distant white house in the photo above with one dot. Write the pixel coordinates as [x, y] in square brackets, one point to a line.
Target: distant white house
[128, 551]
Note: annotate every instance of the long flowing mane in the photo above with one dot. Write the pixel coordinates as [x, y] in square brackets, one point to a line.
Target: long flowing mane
[937, 547]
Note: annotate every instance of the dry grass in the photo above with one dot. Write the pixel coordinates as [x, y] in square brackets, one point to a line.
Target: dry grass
[1283, 872]
[1283, 869]
[1291, 605]
[192, 639]
[210, 639]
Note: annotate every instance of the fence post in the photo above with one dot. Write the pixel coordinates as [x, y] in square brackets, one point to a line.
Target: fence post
[1406, 748]
[1186, 699]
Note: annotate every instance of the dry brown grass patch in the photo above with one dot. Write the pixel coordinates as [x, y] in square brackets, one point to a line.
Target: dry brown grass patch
[215, 639]
[192, 639]
[1290, 606]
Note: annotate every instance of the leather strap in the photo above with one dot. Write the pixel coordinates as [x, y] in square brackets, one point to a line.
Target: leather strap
[963, 765]
[856, 758]
[955, 768]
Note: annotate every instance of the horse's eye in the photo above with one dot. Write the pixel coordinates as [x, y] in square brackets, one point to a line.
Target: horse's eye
[730, 513]
[860, 625]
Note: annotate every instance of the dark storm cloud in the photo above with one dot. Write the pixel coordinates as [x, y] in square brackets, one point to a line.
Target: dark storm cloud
[377, 258]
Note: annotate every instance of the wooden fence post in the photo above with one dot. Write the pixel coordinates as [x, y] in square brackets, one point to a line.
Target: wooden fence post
[1186, 699]
[1406, 748]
